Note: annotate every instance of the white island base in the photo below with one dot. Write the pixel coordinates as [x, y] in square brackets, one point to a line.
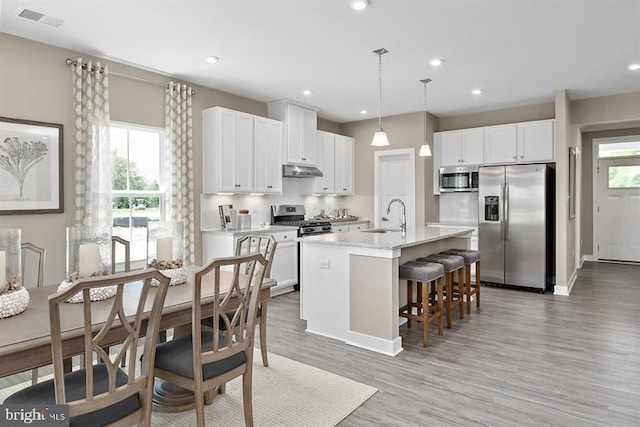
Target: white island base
[350, 289]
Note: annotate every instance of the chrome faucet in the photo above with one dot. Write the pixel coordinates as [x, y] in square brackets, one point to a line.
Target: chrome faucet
[403, 225]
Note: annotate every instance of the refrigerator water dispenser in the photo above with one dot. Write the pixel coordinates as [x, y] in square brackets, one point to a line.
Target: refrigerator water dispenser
[492, 208]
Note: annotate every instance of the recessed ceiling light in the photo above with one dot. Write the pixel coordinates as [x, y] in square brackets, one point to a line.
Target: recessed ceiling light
[634, 67]
[363, 112]
[435, 62]
[212, 59]
[307, 92]
[476, 91]
[359, 4]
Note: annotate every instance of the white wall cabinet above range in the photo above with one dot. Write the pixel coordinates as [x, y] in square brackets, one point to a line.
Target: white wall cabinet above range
[336, 162]
[241, 152]
[527, 142]
[461, 147]
[267, 160]
[299, 131]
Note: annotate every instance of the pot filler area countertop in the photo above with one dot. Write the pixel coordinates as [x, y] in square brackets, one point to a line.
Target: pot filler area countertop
[349, 281]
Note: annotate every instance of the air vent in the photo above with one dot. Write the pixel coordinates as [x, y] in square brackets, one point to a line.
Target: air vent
[39, 17]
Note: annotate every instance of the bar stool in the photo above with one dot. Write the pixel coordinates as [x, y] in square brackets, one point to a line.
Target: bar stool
[429, 301]
[470, 256]
[454, 291]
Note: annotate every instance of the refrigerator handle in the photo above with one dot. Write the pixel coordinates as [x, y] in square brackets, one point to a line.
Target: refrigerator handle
[506, 212]
[501, 208]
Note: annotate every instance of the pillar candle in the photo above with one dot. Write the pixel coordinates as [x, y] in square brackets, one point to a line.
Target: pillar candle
[89, 259]
[3, 266]
[164, 249]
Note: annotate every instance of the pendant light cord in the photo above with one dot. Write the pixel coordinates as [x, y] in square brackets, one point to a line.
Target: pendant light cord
[380, 91]
[425, 81]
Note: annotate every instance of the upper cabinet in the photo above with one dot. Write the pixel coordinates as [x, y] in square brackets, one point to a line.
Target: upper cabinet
[335, 161]
[326, 163]
[267, 161]
[227, 151]
[344, 164]
[527, 142]
[461, 147]
[241, 152]
[299, 132]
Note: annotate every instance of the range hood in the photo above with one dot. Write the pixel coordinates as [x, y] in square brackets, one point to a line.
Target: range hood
[299, 171]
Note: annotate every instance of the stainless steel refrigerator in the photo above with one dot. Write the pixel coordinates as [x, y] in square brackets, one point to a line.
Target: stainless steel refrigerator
[516, 225]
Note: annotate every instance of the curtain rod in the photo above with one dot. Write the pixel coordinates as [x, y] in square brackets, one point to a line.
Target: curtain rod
[70, 61]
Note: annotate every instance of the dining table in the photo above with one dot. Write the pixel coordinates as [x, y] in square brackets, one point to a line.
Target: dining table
[25, 339]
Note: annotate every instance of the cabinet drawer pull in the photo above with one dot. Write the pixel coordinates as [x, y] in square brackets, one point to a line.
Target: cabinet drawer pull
[269, 186]
[303, 158]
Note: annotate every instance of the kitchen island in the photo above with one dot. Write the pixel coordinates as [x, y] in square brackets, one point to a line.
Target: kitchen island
[349, 288]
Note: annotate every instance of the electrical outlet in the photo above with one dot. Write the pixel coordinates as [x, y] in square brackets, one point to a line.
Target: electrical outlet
[324, 264]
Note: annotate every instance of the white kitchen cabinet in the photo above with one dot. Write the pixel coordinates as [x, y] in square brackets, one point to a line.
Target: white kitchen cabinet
[437, 162]
[285, 262]
[227, 151]
[344, 164]
[526, 142]
[284, 269]
[461, 147]
[335, 155]
[359, 226]
[267, 161]
[326, 163]
[535, 141]
[299, 131]
[339, 228]
[500, 144]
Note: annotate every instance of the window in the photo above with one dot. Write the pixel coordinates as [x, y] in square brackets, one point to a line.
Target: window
[138, 187]
[619, 149]
[624, 176]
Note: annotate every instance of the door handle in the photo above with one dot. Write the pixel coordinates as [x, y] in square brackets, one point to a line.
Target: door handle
[506, 212]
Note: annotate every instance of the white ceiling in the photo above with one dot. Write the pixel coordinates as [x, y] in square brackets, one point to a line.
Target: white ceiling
[518, 51]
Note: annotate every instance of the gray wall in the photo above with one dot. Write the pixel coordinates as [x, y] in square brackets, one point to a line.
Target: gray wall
[498, 117]
[35, 84]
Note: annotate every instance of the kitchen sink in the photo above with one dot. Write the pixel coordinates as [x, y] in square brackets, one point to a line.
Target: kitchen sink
[382, 230]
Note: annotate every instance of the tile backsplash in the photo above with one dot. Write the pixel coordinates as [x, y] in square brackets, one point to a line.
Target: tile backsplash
[459, 207]
[259, 206]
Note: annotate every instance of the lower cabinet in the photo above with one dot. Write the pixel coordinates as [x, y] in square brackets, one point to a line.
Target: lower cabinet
[218, 244]
[339, 227]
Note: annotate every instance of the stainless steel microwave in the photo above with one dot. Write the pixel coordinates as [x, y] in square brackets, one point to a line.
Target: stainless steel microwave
[458, 179]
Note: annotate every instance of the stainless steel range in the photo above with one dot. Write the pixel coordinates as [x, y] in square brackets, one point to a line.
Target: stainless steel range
[293, 215]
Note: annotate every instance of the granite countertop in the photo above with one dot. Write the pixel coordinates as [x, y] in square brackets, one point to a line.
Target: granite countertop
[254, 230]
[396, 240]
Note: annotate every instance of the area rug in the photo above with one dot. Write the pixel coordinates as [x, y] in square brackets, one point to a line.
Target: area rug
[287, 393]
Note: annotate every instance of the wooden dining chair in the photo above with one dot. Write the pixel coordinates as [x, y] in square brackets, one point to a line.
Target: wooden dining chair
[266, 245]
[30, 252]
[103, 393]
[115, 241]
[210, 357]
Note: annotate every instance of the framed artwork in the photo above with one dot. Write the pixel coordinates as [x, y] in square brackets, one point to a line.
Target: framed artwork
[31, 172]
[573, 157]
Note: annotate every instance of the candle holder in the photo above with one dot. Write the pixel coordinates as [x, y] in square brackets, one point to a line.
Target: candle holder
[88, 255]
[165, 248]
[14, 298]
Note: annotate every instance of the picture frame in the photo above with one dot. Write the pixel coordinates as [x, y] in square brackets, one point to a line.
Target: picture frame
[573, 158]
[34, 185]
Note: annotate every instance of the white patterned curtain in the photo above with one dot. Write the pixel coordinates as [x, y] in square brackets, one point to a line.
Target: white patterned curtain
[179, 205]
[92, 177]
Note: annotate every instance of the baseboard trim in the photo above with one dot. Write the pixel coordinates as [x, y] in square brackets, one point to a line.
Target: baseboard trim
[380, 345]
[564, 291]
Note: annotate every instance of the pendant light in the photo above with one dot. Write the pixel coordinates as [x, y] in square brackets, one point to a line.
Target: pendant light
[425, 150]
[380, 137]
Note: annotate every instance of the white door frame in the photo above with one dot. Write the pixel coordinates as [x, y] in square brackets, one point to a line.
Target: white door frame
[379, 157]
[594, 181]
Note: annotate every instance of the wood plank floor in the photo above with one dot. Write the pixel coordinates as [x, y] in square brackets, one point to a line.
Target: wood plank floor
[523, 359]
